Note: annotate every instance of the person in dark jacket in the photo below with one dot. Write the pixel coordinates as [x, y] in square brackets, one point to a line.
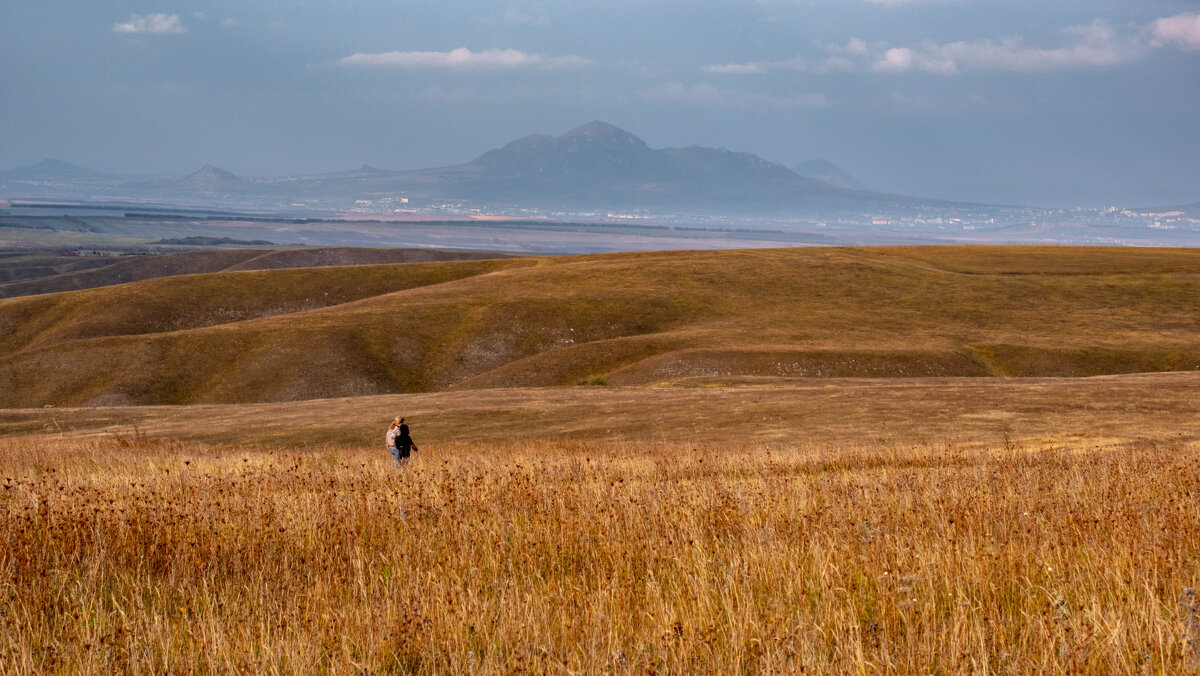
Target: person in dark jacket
[400, 442]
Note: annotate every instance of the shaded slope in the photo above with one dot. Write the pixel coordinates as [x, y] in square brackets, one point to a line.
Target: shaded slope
[195, 301]
[71, 277]
[824, 170]
[16, 267]
[632, 318]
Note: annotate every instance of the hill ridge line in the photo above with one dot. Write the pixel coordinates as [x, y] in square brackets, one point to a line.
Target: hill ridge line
[249, 321]
[648, 318]
[67, 305]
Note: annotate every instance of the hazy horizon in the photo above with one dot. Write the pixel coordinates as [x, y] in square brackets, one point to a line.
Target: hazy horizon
[1049, 104]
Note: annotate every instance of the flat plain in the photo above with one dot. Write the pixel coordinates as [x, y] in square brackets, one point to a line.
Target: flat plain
[731, 519]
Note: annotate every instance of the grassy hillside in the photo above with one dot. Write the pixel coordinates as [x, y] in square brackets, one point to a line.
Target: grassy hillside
[621, 319]
[20, 266]
[29, 275]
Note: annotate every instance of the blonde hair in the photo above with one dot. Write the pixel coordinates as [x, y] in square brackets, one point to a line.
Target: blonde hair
[397, 422]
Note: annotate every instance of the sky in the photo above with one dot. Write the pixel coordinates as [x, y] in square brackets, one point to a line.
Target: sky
[1039, 102]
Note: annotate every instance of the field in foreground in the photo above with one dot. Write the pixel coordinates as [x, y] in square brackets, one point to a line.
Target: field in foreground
[157, 555]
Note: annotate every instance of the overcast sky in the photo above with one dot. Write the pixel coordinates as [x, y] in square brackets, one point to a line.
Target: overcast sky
[1056, 102]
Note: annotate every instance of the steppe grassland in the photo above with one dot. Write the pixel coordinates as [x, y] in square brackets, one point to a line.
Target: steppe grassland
[151, 555]
[628, 319]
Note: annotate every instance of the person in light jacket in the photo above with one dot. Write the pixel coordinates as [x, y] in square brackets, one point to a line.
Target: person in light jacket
[399, 443]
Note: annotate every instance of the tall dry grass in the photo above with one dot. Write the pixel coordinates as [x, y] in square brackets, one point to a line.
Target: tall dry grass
[156, 556]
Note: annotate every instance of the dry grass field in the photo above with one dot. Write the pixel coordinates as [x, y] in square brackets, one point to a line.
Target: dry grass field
[804, 461]
[148, 555]
[840, 526]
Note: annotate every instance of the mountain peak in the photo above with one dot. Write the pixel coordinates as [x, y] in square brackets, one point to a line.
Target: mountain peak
[595, 128]
[603, 132]
[209, 177]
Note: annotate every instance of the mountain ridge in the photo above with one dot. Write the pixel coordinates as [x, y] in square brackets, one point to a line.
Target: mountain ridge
[824, 170]
[595, 166]
[50, 168]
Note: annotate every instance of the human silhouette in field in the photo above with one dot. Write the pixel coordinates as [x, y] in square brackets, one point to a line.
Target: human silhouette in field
[399, 443]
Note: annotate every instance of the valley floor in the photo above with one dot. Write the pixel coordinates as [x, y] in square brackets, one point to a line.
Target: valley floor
[1156, 407]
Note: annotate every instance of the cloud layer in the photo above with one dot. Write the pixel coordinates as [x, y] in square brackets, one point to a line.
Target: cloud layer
[463, 59]
[154, 24]
[1093, 45]
[1181, 30]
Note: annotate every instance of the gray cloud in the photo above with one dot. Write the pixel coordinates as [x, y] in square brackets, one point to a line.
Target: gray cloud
[154, 24]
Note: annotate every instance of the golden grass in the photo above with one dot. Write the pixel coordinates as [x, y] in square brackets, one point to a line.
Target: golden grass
[1158, 408]
[163, 556]
[627, 318]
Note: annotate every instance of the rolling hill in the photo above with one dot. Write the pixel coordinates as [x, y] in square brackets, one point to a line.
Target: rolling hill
[27, 275]
[291, 334]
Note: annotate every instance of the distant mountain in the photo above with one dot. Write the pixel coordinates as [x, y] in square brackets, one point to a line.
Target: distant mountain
[49, 169]
[599, 165]
[824, 170]
[593, 168]
[211, 179]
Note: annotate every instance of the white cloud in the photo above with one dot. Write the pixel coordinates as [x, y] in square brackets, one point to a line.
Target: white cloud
[895, 60]
[857, 46]
[464, 59]
[230, 22]
[516, 17]
[704, 94]
[1182, 30]
[1093, 45]
[155, 24]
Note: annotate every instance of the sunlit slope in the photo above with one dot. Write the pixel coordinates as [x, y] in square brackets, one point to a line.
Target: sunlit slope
[625, 318]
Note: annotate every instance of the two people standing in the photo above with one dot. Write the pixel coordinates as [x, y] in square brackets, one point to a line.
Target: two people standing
[399, 442]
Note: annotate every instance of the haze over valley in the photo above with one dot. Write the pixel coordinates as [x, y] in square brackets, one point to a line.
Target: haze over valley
[589, 176]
